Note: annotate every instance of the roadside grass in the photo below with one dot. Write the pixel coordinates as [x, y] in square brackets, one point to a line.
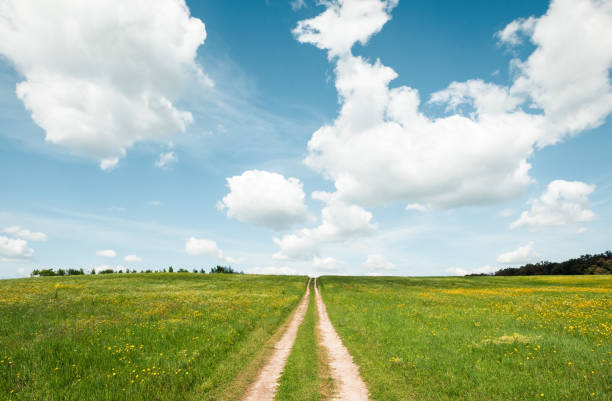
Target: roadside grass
[477, 338]
[299, 381]
[135, 337]
[306, 376]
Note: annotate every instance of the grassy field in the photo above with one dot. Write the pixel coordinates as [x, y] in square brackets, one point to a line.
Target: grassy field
[477, 338]
[135, 337]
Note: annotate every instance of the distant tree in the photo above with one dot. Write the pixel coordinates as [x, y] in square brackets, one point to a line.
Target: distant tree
[170, 270]
[202, 271]
[223, 270]
[106, 271]
[585, 264]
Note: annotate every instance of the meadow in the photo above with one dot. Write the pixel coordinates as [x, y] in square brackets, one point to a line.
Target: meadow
[138, 336]
[477, 338]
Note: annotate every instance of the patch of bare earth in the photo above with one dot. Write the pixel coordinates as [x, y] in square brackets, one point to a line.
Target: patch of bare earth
[348, 384]
[264, 388]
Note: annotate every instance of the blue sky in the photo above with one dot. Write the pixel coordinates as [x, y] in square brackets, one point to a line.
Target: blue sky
[121, 139]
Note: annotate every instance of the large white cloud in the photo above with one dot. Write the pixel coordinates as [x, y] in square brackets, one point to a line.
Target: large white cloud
[339, 222]
[383, 149]
[14, 249]
[265, 199]
[26, 234]
[523, 254]
[563, 203]
[199, 246]
[102, 75]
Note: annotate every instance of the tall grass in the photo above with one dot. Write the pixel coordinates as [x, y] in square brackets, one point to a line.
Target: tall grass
[135, 337]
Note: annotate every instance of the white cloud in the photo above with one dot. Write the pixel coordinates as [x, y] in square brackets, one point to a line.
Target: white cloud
[116, 268]
[506, 213]
[510, 34]
[568, 74]
[26, 234]
[378, 263]
[265, 199]
[344, 23]
[198, 247]
[14, 249]
[328, 264]
[458, 271]
[523, 254]
[417, 207]
[382, 149]
[297, 4]
[132, 258]
[272, 270]
[339, 222]
[102, 75]
[166, 160]
[563, 203]
[106, 253]
[155, 203]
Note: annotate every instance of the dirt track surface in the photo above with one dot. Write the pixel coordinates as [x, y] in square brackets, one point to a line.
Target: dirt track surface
[349, 386]
[264, 388]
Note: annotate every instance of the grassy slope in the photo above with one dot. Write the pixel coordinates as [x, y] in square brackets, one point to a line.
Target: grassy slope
[138, 336]
[477, 338]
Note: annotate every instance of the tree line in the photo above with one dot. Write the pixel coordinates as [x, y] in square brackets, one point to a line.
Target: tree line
[74, 272]
[585, 264]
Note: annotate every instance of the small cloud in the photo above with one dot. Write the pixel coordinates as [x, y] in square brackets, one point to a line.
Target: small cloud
[506, 213]
[106, 253]
[328, 264]
[298, 4]
[377, 263]
[109, 163]
[205, 247]
[155, 203]
[458, 271]
[523, 254]
[12, 250]
[417, 206]
[133, 258]
[563, 203]
[166, 160]
[26, 234]
[582, 230]
[272, 270]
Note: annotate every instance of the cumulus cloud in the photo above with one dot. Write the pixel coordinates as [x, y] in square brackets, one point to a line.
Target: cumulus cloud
[343, 23]
[523, 254]
[458, 271]
[378, 263]
[133, 258]
[265, 199]
[106, 253]
[102, 75]
[14, 249]
[166, 159]
[26, 234]
[339, 222]
[272, 270]
[563, 203]
[382, 148]
[328, 264]
[199, 247]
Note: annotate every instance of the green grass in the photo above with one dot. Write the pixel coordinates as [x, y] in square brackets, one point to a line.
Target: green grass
[135, 337]
[477, 338]
[300, 379]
